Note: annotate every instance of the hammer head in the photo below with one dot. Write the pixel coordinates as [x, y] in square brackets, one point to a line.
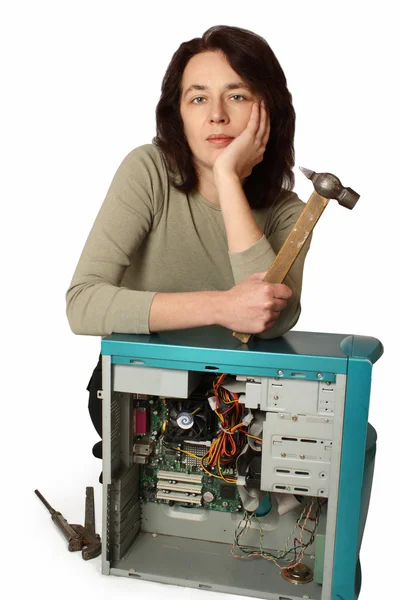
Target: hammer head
[329, 186]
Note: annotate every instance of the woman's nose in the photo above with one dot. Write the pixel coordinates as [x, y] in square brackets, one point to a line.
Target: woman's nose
[218, 114]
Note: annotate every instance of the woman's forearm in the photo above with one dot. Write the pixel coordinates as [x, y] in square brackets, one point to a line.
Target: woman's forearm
[250, 306]
[185, 310]
[242, 230]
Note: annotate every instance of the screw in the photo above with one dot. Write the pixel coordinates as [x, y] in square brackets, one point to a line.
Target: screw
[283, 454]
[326, 420]
[154, 535]
[294, 418]
[276, 397]
[281, 416]
[319, 375]
[280, 372]
[302, 456]
[328, 383]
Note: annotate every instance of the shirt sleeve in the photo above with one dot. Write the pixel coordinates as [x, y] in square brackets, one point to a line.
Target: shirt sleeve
[96, 305]
[259, 258]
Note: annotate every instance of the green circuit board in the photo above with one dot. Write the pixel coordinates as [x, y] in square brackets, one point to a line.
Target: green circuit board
[211, 492]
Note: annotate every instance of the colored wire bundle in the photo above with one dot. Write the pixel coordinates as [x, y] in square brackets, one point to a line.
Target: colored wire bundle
[299, 546]
[231, 437]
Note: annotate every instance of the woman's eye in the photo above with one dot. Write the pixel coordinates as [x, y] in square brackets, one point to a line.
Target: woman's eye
[198, 100]
[238, 97]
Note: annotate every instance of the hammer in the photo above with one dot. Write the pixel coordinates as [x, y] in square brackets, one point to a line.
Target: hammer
[327, 187]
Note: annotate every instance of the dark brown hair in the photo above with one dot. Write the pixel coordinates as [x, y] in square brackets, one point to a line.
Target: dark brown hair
[252, 58]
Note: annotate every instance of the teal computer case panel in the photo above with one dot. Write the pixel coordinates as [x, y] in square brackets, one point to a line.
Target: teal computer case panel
[244, 469]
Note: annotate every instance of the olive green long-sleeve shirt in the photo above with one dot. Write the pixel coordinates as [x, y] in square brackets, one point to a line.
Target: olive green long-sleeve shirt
[148, 238]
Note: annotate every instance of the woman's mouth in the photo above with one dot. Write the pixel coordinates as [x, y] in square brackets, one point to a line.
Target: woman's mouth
[219, 139]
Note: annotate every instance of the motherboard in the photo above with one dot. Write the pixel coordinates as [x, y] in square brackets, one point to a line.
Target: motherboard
[172, 439]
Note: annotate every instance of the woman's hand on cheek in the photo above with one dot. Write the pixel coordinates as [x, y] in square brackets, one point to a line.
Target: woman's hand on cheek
[247, 150]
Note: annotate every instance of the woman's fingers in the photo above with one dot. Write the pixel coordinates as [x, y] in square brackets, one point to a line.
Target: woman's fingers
[262, 134]
[254, 121]
[267, 129]
[263, 121]
[266, 125]
[254, 305]
[259, 123]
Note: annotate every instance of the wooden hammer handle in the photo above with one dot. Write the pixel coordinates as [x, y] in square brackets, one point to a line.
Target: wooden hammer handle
[293, 244]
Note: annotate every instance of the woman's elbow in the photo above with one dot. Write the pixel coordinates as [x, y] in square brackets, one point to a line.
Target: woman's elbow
[75, 323]
[75, 311]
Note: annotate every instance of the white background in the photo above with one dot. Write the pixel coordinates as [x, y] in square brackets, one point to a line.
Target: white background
[80, 81]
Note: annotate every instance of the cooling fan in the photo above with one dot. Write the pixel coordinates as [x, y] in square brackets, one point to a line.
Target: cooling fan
[188, 420]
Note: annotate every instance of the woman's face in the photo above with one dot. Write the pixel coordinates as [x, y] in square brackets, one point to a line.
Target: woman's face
[215, 101]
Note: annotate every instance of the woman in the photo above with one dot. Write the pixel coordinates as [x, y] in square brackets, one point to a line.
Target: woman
[192, 222]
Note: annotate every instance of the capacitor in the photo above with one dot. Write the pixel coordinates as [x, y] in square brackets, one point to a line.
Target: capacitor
[208, 496]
